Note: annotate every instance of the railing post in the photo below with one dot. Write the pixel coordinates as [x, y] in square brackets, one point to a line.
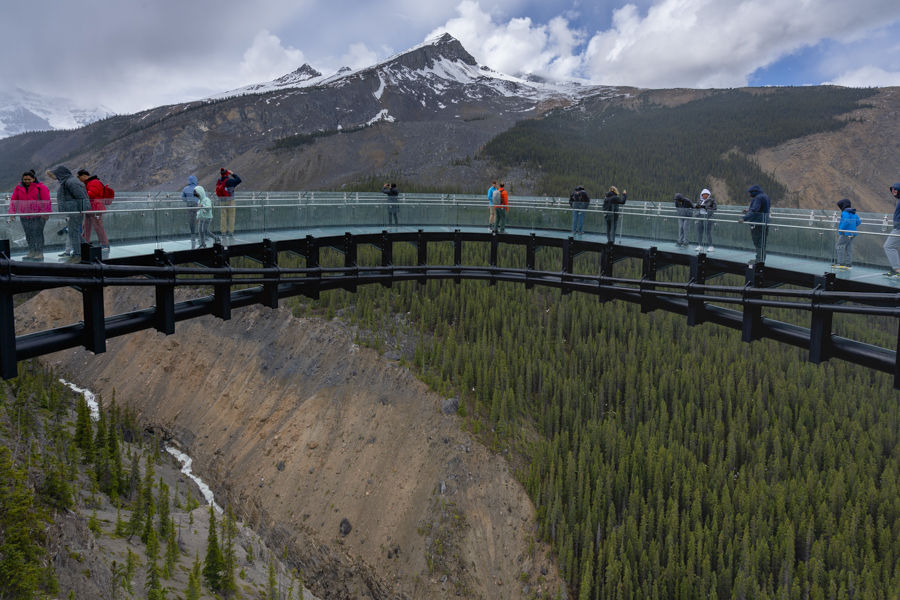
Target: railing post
[221, 291]
[165, 296]
[312, 262]
[648, 302]
[270, 261]
[387, 255]
[422, 254]
[8, 363]
[92, 301]
[820, 348]
[606, 269]
[696, 311]
[754, 278]
[457, 255]
[350, 260]
[530, 252]
[495, 243]
[568, 258]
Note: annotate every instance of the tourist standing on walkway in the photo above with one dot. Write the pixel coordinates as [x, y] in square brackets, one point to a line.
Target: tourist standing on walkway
[502, 207]
[204, 214]
[579, 201]
[758, 217]
[71, 197]
[393, 207]
[684, 208]
[892, 244]
[225, 193]
[187, 196]
[94, 219]
[706, 208]
[31, 198]
[843, 249]
[611, 204]
[492, 216]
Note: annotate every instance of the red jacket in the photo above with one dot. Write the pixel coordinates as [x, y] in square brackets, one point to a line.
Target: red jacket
[36, 199]
[504, 199]
[95, 193]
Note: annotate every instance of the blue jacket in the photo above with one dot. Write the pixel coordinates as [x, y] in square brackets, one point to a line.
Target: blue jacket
[896, 186]
[491, 194]
[187, 194]
[849, 220]
[758, 211]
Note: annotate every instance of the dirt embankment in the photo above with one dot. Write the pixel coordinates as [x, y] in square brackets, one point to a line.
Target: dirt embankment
[299, 428]
[859, 162]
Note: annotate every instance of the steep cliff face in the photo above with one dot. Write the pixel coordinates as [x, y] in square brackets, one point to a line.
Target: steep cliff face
[859, 162]
[299, 428]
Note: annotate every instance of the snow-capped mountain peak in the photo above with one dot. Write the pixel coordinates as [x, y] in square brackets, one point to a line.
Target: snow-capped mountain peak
[22, 110]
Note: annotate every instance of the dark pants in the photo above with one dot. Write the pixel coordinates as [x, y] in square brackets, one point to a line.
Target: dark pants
[393, 217]
[758, 235]
[611, 222]
[34, 233]
[192, 219]
[502, 215]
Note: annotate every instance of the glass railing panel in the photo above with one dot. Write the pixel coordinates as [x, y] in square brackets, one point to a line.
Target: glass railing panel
[323, 215]
[285, 218]
[363, 214]
[135, 227]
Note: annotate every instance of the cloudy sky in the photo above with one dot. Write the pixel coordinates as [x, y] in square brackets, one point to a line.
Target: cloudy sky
[134, 54]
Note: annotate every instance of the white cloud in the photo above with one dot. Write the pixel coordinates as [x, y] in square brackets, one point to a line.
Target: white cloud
[868, 76]
[517, 46]
[674, 43]
[267, 59]
[359, 56]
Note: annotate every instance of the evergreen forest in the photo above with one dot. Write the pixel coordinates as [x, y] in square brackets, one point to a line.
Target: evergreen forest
[654, 151]
[664, 461]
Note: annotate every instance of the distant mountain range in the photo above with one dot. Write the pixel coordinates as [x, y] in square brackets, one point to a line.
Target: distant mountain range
[21, 111]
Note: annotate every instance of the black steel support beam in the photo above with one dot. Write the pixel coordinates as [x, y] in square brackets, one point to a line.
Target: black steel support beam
[696, 313]
[221, 291]
[92, 302]
[311, 290]
[607, 260]
[650, 266]
[820, 327]
[422, 254]
[350, 258]
[754, 277]
[387, 254]
[457, 255]
[165, 296]
[8, 362]
[530, 259]
[568, 260]
[270, 261]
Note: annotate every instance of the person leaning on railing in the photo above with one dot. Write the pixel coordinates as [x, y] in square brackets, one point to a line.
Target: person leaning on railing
[30, 198]
[684, 208]
[187, 196]
[611, 204]
[892, 244]
[706, 208]
[758, 217]
[579, 201]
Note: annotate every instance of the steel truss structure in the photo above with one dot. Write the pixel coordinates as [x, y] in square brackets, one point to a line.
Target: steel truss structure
[822, 296]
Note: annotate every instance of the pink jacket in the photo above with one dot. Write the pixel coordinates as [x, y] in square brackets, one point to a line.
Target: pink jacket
[36, 199]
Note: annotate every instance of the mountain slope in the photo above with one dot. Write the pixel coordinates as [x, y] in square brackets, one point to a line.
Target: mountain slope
[21, 111]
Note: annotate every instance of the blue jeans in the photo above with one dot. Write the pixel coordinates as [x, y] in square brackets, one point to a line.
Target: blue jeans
[578, 217]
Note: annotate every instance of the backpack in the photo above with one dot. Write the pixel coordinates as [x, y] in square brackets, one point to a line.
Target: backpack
[221, 190]
[108, 194]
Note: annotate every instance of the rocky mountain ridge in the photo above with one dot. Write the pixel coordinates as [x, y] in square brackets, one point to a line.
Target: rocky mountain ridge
[22, 110]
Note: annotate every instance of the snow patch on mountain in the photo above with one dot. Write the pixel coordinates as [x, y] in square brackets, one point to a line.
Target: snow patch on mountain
[21, 111]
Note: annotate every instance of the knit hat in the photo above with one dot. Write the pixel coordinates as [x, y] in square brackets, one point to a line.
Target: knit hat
[223, 171]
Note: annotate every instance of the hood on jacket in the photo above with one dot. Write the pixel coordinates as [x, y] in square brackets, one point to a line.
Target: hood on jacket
[754, 190]
[60, 173]
[705, 191]
[201, 193]
[192, 180]
[843, 204]
[896, 186]
[680, 197]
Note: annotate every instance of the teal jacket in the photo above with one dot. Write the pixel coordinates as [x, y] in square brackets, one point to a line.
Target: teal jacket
[205, 211]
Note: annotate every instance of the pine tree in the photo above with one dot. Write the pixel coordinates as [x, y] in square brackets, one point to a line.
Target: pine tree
[84, 437]
[212, 565]
[194, 590]
[229, 558]
[164, 523]
[171, 552]
[272, 582]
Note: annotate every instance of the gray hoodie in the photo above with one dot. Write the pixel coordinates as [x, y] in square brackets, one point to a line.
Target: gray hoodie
[71, 195]
[187, 194]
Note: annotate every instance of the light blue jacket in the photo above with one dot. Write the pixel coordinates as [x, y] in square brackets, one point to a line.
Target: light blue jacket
[187, 194]
[205, 204]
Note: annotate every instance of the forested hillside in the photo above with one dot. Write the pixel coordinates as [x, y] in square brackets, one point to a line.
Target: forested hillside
[665, 461]
[654, 151]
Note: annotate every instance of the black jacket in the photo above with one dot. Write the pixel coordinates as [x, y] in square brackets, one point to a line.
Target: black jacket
[579, 196]
[612, 201]
[683, 206]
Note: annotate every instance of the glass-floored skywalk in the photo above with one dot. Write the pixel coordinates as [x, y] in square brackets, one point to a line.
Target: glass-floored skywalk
[797, 240]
